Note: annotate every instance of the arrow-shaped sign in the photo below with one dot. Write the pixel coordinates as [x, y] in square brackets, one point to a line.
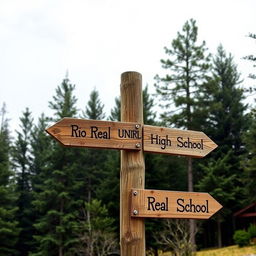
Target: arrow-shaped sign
[172, 204]
[118, 135]
[177, 142]
[97, 134]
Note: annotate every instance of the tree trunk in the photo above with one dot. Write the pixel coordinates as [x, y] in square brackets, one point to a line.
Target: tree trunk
[192, 223]
[219, 232]
[88, 213]
[61, 238]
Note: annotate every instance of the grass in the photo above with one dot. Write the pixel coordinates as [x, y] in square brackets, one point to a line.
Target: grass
[225, 251]
[229, 251]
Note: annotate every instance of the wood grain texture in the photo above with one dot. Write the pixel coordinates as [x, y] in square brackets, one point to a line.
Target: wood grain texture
[177, 142]
[172, 204]
[97, 134]
[132, 231]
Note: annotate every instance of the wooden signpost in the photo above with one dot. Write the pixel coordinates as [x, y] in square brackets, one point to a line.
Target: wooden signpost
[172, 204]
[133, 138]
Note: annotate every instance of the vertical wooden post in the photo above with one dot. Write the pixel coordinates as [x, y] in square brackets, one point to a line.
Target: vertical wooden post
[132, 230]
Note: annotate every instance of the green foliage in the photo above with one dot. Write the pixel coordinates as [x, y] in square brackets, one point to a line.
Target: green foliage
[225, 122]
[115, 113]
[241, 238]
[252, 58]
[96, 231]
[9, 230]
[252, 230]
[21, 155]
[94, 109]
[249, 159]
[216, 181]
[64, 101]
[56, 196]
[149, 115]
[187, 70]
[226, 111]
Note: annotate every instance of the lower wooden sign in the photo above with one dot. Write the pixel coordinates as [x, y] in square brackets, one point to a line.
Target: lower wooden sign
[172, 204]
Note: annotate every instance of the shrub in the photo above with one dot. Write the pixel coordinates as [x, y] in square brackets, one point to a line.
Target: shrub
[241, 238]
[252, 230]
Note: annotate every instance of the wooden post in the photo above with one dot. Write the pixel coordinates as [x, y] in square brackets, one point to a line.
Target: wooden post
[132, 230]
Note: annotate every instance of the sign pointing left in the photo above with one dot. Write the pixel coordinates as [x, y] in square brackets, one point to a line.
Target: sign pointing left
[97, 134]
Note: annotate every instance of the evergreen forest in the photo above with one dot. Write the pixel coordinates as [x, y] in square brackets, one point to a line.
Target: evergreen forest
[59, 201]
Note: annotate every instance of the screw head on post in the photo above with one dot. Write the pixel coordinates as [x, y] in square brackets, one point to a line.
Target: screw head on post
[137, 126]
[135, 212]
[137, 145]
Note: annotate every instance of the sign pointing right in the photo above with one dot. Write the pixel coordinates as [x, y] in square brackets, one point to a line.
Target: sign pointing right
[172, 204]
[177, 142]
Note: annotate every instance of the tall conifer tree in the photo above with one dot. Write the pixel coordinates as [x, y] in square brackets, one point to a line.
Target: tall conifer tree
[187, 67]
[56, 201]
[225, 123]
[21, 155]
[252, 58]
[8, 224]
[93, 159]
[249, 162]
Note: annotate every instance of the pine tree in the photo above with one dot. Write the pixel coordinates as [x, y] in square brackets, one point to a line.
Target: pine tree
[21, 156]
[187, 67]
[149, 115]
[93, 160]
[64, 101]
[249, 160]
[41, 150]
[226, 123]
[96, 237]
[252, 58]
[8, 224]
[94, 108]
[56, 199]
[226, 110]
[222, 187]
[115, 113]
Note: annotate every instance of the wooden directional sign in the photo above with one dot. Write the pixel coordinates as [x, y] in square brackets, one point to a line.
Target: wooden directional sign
[172, 204]
[177, 142]
[97, 134]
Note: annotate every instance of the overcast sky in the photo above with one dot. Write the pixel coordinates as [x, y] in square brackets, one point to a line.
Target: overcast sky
[97, 40]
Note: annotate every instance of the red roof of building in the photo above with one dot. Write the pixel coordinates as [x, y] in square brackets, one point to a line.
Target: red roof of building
[248, 211]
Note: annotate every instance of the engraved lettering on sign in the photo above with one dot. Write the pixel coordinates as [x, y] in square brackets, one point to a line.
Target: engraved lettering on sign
[157, 139]
[186, 143]
[77, 132]
[97, 134]
[191, 207]
[130, 134]
[157, 206]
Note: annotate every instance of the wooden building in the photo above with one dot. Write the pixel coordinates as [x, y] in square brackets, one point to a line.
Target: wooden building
[244, 217]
